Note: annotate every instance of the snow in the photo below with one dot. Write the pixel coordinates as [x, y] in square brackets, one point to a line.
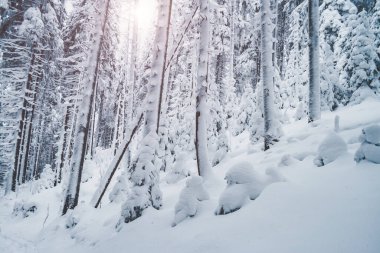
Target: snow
[24, 209]
[371, 134]
[4, 4]
[189, 198]
[180, 169]
[32, 24]
[369, 152]
[334, 208]
[241, 173]
[243, 183]
[370, 148]
[330, 149]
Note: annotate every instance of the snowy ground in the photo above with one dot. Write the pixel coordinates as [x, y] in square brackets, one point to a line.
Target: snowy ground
[334, 208]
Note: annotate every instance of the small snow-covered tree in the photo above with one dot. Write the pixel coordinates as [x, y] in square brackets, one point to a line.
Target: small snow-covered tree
[357, 63]
[188, 203]
[145, 169]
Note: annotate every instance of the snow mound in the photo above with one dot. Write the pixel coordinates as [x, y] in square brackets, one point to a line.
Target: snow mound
[371, 135]
[370, 148]
[232, 199]
[243, 183]
[191, 195]
[240, 173]
[287, 160]
[330, 149]
[368, 152]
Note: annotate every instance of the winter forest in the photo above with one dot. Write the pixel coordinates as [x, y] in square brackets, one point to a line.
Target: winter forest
[190, 126]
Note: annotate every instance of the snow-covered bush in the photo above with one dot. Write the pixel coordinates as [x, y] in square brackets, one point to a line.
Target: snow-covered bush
[32, 25]
[47, 177]
[222, 149]
[24, 209]
[119, 191]
[362, 94]
[180, 169]
[45, 181]
[330, 149]
[243, 183]
[189, 199]
[370, 148]
[71, 221]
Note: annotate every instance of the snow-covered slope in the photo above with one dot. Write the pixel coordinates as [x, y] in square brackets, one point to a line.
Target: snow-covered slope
[333, 208]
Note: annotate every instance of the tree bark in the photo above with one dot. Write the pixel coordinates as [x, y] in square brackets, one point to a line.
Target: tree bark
[314, 85]
[267, 72]
[201, 99]
[18, 153]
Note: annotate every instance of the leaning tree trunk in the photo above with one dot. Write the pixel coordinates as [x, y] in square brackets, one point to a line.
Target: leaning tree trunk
[201, 99]
[314, 89]
[267, 73]
[83, 120]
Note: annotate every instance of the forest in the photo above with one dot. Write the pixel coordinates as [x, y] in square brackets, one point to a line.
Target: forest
[140, 112]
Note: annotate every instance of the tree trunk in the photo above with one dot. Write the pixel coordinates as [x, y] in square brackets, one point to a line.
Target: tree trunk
[201, 99]
[267, 73]
[314, 85]
[83, 122]
[148, 193]
[18, 152]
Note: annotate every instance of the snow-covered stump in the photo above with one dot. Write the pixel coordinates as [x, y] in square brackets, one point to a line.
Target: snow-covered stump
[244, 183]
[330, 149]
[191, 195]
[370, 147]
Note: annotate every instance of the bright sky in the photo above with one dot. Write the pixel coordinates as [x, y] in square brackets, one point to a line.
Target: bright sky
[145, 13]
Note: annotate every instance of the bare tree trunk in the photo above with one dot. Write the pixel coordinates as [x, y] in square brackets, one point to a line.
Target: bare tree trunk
[28, 137]
[267, 73]
[314, 85]
[63, 147]
[18, 152]
[90, 144]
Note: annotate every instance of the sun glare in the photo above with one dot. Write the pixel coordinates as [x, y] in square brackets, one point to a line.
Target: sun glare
[145, 14]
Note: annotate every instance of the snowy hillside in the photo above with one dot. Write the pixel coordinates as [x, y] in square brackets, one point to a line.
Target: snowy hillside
[332, 208]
